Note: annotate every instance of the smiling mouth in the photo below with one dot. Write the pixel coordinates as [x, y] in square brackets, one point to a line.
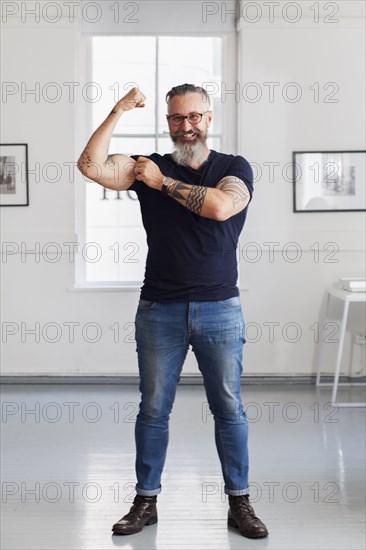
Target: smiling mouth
[189, 135]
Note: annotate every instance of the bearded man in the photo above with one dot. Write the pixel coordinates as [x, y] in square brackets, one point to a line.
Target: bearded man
[193, 204]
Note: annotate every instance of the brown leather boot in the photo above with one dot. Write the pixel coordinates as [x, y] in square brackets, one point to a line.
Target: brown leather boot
[142, 512]
[241, 515]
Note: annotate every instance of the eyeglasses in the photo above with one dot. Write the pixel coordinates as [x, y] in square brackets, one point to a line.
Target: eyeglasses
[193, 118]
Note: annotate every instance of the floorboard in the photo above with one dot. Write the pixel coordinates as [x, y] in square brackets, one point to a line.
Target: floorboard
[68, 470]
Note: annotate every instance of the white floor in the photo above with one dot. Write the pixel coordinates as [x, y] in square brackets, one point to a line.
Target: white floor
[68, 470]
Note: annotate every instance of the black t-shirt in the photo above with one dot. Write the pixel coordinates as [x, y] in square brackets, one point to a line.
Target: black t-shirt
[190, 258]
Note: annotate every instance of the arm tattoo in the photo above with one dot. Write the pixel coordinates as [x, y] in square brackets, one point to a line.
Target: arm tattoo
[85, 159]
[192, 199]
[176, 188]
[196, 198]
[235, 188]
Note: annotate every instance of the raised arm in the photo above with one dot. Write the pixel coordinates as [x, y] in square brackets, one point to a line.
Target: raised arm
[112, 171]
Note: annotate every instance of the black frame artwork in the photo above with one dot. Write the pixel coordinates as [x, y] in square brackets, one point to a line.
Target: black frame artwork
[14, 189]
[329, 181]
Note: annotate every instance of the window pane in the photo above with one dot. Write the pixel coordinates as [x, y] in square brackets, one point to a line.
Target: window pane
[119, 63]
[116, 255]
[133, 145]
[107, 208]
[217, 108]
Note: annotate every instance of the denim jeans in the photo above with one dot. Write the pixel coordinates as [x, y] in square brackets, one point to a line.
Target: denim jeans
[215, 331]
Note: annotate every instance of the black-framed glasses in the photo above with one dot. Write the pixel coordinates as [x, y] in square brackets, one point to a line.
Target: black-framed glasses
[193, 118]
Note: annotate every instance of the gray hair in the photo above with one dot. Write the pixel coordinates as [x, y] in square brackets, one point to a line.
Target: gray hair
[184, 89]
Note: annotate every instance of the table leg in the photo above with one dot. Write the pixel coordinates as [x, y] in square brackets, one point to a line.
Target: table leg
[321, 349]
[340, 350]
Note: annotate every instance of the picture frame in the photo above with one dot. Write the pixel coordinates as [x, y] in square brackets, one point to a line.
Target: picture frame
[329, 181]
[14, 174]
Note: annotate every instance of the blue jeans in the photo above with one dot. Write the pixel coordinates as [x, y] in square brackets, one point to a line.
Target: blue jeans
[215, 331]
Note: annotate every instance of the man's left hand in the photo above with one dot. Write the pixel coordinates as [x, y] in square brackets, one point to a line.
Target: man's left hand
[147, 171]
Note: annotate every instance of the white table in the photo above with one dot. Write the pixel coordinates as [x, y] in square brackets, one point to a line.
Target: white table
[347, 298]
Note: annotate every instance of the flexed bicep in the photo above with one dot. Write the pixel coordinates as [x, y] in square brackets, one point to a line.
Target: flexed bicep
[116, 172]
[122, 169]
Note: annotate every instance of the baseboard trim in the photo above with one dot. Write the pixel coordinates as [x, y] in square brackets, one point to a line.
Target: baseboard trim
[185, 379]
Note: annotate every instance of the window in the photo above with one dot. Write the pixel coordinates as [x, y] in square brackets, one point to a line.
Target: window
[154, 64]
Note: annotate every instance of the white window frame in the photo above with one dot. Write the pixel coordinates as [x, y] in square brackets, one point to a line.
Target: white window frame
[84, 129]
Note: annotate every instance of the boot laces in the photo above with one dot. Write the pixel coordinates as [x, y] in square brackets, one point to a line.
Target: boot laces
[243, 506]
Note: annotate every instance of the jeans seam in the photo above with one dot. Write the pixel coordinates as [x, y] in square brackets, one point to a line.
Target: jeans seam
[223, 449]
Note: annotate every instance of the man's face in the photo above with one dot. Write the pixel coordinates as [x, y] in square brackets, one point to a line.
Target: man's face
[187, 132]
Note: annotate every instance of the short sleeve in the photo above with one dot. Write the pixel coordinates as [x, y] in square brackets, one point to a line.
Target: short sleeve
[241, 169]
[136, 186]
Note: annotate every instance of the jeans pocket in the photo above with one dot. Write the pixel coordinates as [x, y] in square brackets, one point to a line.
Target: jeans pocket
[230, 303]
[146, 304]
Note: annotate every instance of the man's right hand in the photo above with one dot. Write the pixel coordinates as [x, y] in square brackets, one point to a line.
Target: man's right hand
[133, 99]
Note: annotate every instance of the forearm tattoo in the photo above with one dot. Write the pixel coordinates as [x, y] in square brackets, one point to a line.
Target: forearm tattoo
[191, 196]
[196, 198]
[235, 188]
[175, 191]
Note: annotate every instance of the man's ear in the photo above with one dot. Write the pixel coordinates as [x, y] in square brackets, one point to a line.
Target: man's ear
[209, 118]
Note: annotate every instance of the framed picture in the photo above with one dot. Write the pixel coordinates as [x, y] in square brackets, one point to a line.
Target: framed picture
[329, 181]
[14, 174]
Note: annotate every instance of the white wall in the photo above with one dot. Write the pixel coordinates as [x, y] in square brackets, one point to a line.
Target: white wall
[306, 52]
[275, 291]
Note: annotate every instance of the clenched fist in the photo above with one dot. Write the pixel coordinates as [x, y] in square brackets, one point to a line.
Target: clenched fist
[133, 99]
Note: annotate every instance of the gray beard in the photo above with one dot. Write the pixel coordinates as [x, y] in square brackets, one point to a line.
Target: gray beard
[190, 153]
